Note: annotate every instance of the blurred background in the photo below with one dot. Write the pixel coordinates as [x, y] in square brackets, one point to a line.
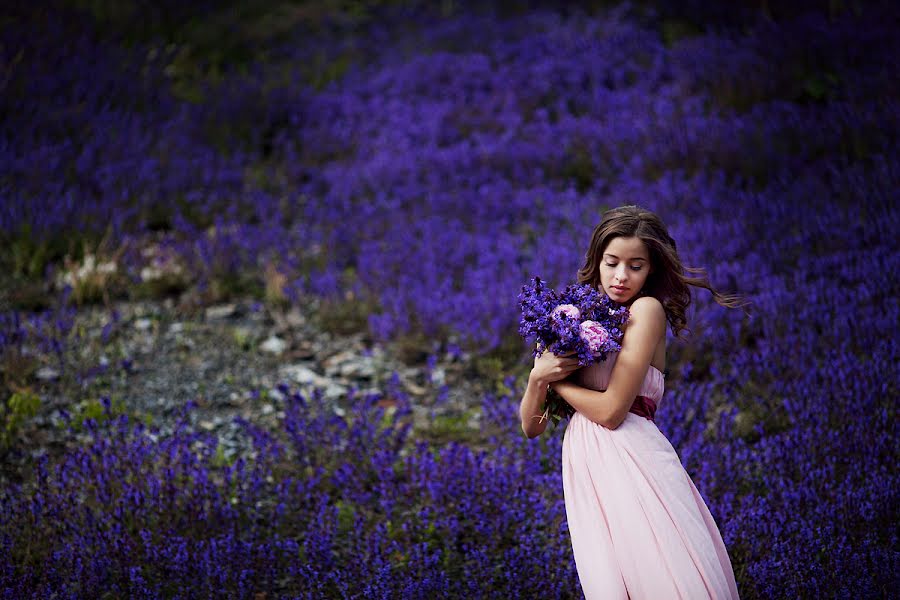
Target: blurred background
[266, 255]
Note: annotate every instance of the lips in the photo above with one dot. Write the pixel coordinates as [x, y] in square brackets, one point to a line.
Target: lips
[619, 289]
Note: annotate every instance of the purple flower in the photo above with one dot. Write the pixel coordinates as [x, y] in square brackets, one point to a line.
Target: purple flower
[579, 319]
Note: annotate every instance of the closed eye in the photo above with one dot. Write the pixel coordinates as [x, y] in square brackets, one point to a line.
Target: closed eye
[632, 268]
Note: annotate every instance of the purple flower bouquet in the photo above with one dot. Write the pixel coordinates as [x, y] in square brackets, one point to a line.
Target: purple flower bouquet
[579, 319]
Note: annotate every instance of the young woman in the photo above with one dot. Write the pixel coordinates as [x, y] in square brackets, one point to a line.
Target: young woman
[639, 527]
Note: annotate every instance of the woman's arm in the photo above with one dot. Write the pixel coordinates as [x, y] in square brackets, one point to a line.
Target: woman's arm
[530, 411]
[609, 408]
[547, 368]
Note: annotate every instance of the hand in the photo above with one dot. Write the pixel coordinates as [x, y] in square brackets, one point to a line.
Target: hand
[549, 367]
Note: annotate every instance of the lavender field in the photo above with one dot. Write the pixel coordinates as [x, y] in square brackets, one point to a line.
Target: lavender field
[393, 173]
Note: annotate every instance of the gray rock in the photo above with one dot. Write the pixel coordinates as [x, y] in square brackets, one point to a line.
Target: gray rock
[295, 318]
[47, 374]
[361, 368]
[350, 365]
[220, 311]
[414, 388]
[333, 363]
[302, 374]
[438, 376]
[191, 358]
[235, 399]
[273, 345]
[334, 391]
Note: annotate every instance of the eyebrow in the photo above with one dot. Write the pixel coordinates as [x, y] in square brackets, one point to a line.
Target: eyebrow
[614, 256]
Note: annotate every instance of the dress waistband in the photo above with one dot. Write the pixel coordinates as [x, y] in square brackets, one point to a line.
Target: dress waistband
[644, 406]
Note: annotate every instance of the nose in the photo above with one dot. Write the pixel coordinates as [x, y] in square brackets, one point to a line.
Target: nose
[621, 274]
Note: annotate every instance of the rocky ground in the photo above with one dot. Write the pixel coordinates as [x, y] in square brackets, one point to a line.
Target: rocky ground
[232, 359]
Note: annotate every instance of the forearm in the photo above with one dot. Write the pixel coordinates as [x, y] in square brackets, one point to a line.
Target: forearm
[530, 411]
[592, 404]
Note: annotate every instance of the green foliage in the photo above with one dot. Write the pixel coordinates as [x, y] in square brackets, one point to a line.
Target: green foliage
[107, 10]
[447, 428]
[411, 347]
[21, 406]
[821, 86]
[578, 167]
[17, 367]
[224, 286]
[242, 338]
[199, 44]
[344, 316]
[346, 517]
[93, 409]
[167, 285]
[220, 459]
[28, 296]
[510, 357]
[324, 69]
[27, 257]
[674, 30]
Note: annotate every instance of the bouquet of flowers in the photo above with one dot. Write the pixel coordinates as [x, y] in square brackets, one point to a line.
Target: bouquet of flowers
[580, 319]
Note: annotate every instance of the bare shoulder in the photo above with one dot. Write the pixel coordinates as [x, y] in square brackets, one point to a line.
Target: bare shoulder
[648, 310]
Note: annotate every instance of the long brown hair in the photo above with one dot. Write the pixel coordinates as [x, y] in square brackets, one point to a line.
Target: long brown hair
[667, 281]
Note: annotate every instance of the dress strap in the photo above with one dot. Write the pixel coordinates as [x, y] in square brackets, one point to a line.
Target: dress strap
[644, 406]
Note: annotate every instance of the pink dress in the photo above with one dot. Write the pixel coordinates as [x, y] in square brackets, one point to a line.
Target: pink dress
[639, 527]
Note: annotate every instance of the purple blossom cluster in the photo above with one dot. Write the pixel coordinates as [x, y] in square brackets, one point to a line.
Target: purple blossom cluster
[326, 506]
[579, 319]
[428, 185]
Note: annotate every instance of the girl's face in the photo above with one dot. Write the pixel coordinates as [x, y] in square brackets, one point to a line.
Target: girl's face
[624, 268]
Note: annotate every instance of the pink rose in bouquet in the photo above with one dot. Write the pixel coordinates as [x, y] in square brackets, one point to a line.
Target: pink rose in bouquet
[594, 334]
[570, 310]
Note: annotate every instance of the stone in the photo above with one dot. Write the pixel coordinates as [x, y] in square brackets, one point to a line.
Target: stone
[334, 391]
[220, 312]
[438, 376]
[235, 399]
[304, 351]
[273, 345]
[361, 368]
[295, 318]
[333, 363]
[414, 388]
[47, 374]
[301, 374]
